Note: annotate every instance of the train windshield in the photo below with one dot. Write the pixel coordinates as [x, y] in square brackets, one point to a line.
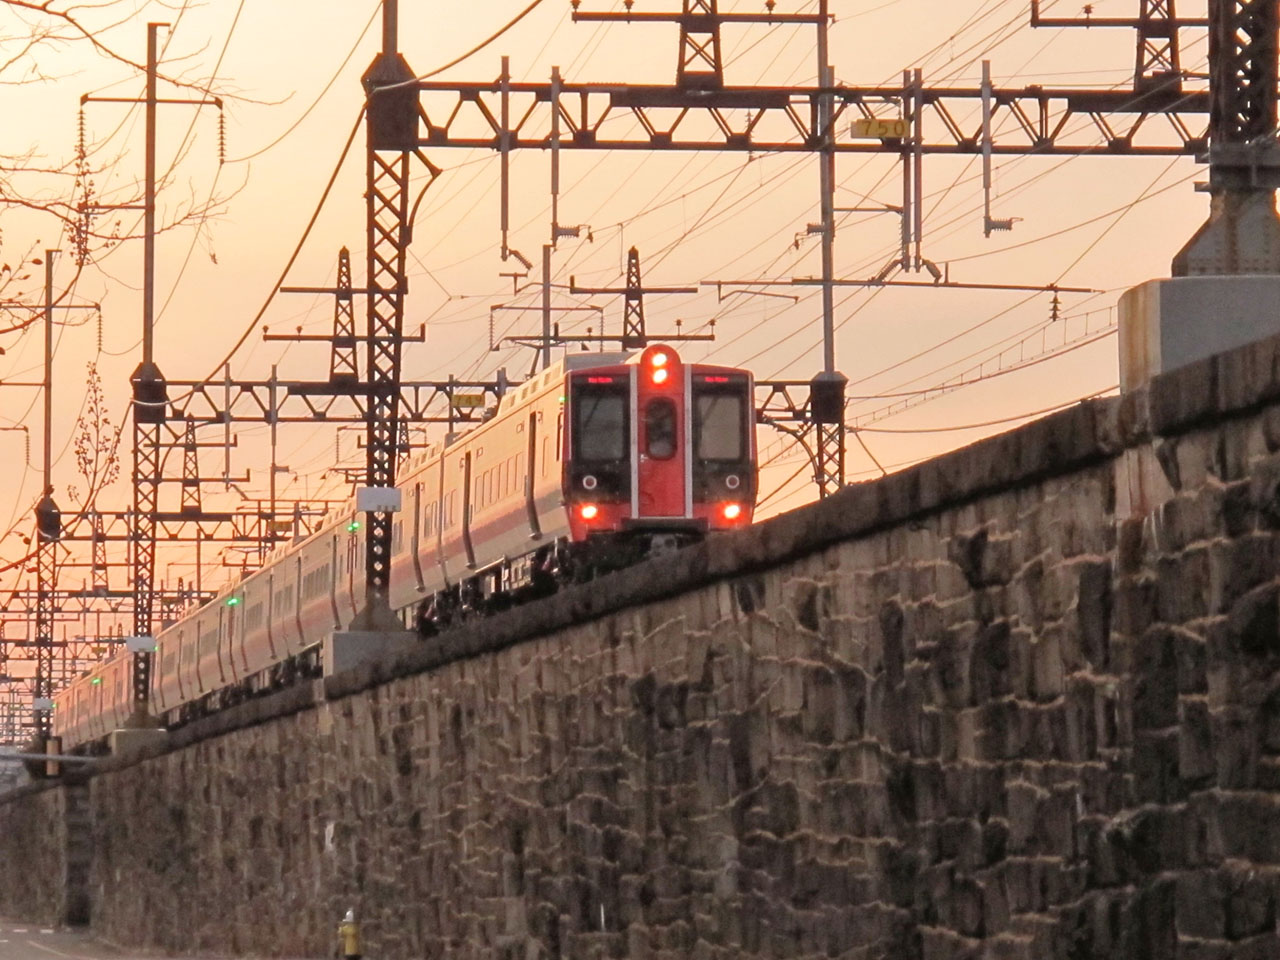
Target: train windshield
[600, 422]
[720, 425]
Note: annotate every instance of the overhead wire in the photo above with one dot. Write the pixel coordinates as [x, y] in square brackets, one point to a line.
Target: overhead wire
[323, 90]
[306, 232]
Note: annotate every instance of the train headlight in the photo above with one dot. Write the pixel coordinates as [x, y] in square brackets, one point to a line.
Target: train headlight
[588, 511]
[733, 481]
[660, 374]
[731, 511]
[659, 359]
[589, 482]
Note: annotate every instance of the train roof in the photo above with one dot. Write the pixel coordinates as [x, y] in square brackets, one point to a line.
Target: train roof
[570, 362]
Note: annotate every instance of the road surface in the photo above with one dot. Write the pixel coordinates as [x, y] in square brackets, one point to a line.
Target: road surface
[26, 941]
[22, 941]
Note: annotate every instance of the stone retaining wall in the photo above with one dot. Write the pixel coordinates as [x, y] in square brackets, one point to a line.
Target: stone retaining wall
[44, 854]
[1018, 702]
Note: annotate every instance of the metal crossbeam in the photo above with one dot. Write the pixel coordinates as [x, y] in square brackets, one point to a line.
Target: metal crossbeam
[1162, 121]
[321, 401]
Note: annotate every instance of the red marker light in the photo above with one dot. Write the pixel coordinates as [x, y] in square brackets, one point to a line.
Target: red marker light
[588, 511]
[732, 511]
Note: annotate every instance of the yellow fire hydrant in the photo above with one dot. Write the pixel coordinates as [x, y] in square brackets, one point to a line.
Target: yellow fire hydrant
[349, 936]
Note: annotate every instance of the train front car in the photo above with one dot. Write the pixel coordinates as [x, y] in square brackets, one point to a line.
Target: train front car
[657, 451]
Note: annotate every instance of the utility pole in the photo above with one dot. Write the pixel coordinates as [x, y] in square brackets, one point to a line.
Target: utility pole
[547, 339]
[48, 531]
[827, 392]
[149, 398]
[149, 390]
[47, 516]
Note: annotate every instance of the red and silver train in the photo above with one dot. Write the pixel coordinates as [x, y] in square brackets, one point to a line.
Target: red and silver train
[589, 465]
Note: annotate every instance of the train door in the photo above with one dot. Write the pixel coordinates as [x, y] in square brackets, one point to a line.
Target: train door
[296, 601]
[240, 633]
[226, 619]
[270, 614]
[162, 664]
[466, 510]
[120, 707]
[179, 641]
[415, 542]
[333, 581]
[442, 517]
[531, 454]
[353, 561]
[662, 488]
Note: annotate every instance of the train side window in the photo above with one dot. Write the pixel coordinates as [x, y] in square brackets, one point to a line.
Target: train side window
[660, 429]
[559, 435]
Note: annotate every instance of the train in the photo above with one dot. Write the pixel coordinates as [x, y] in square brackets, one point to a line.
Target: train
[598, 461]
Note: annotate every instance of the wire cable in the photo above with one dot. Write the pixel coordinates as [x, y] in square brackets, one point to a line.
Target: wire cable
[306, 232]
[320, 96]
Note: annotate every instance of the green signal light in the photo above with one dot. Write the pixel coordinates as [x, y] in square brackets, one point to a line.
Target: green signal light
[353, 526]
[96, 680]
[233, 601]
